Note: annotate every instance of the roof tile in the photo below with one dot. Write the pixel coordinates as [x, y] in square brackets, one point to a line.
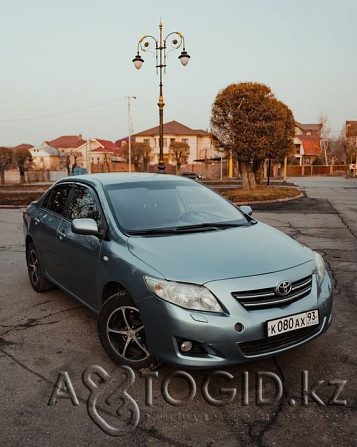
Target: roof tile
[173, 128]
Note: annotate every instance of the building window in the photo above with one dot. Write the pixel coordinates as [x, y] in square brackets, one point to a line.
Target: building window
[165, 142]
[147, 141]
[172, 140]
[185, 140]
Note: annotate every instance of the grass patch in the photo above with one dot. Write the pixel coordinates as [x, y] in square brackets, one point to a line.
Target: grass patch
[261, 193]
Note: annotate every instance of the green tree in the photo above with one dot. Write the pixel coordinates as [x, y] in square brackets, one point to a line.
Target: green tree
[23, 160]
[140, 153]
[5, 162]
[179, 151]
[248, 122]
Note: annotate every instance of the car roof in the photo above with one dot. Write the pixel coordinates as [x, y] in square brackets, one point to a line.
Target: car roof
[114, 178]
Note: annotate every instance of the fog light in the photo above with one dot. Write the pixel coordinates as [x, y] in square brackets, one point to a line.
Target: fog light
[239, 327]
[186, 346]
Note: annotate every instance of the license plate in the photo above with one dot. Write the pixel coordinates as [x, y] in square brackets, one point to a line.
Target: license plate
[293, 322]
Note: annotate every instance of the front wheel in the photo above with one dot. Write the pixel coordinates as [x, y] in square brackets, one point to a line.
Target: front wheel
[121, 332]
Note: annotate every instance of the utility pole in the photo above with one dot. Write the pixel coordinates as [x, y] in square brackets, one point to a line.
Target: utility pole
[130, 128]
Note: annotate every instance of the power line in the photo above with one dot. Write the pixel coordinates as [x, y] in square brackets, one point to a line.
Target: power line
[61, 113]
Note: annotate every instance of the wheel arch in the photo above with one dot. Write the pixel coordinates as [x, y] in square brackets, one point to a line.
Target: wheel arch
[111, 288]
[28, 241]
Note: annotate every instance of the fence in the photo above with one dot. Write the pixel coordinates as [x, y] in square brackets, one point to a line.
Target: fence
[297, 171]
[210, 171]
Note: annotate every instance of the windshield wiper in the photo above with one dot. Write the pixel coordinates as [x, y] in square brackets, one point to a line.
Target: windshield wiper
[183, 228]
[149, 231]
[208, 226]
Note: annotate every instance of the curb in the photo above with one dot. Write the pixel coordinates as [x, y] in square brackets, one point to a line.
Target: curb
[256, 202]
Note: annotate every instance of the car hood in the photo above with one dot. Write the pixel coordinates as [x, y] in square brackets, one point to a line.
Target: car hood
[213, 255]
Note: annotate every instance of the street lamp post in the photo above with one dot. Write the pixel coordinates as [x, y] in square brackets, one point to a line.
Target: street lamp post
[130, 129]
[177, 42]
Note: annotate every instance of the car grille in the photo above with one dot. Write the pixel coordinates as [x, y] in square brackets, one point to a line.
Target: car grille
[263, 298]
[277, 342]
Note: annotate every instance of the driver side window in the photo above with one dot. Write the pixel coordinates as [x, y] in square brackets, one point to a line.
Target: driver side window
[83, 205]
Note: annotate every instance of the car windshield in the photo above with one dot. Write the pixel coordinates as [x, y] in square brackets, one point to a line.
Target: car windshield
[173, 205]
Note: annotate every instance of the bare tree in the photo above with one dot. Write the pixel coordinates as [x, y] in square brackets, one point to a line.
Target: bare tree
[179, 152]
[23, 160]
[5, 162]
[140, 153]
[146, 155]
[325, 136]
[342, 149]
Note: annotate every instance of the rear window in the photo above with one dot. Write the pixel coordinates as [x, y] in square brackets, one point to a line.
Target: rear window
[57, 199]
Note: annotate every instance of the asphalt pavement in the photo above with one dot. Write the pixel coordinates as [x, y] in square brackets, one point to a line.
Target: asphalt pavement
[49, 338]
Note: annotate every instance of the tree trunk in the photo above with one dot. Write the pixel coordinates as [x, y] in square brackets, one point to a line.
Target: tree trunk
[247, 176]
[2, 176]
[68, 165]
[325, 154]
[22, 174]
[258, 167]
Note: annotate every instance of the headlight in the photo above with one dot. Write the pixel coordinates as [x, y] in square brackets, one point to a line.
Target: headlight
[188, 296]
[320, 267]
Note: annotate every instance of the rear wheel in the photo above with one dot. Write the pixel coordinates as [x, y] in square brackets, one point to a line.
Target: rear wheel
[38, 281]
[121, 332]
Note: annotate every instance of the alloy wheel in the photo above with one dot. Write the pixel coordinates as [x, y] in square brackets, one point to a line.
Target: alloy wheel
[125, 332]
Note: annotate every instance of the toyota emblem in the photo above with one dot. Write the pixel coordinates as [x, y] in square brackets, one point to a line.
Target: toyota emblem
[284, 288]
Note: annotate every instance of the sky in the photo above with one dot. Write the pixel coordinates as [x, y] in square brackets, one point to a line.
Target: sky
[66, 65]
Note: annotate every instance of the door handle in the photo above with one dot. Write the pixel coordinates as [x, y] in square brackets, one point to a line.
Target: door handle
[61, 234]
[37, 221]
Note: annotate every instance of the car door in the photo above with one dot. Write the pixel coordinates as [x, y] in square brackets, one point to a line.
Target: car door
[45, 225]
[78, 255]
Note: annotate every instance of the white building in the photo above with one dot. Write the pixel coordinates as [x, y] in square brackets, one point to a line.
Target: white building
[47, 157]
[198, 140]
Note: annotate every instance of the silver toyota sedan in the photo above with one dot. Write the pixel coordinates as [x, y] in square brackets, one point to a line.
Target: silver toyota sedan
[175, 271]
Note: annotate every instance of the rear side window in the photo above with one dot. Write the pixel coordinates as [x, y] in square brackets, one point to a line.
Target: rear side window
[57, 198]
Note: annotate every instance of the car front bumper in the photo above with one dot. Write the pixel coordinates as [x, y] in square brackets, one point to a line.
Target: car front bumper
[215, 337]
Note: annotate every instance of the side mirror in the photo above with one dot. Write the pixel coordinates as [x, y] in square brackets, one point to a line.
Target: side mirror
[246, 209]
[85, 226]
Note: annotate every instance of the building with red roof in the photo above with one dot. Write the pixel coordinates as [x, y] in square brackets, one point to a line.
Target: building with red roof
[100, 152]
[22, 146]
[70, 145]
[308, 148]
[65, 142]
[308, 129]
[199, 141]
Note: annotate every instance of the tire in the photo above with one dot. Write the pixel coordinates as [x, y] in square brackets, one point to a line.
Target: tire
[121, 333]
[37, 280]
